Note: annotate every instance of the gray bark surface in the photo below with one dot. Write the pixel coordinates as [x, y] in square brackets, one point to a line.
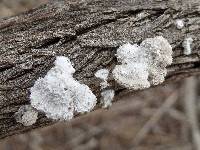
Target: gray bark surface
[88, 32]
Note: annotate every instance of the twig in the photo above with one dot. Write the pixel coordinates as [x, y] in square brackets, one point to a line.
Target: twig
[155, 118]
[177, 115]
[189, 98]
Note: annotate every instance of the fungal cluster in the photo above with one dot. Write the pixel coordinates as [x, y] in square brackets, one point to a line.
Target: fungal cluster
[26, 115]
[103, 75]
[187, 45]
[179, 23]
[107, 95]
[187, 41]
[144, 65]
[59, 95]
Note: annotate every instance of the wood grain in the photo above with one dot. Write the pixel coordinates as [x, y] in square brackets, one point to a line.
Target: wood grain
[88, 32]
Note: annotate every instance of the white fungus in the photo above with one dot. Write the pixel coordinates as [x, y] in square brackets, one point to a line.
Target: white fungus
[26, 115]
[107, 98]
[179, 23]
[187, 45]
[103, 75]
[106, 95]
[59, 95]
[144, 65]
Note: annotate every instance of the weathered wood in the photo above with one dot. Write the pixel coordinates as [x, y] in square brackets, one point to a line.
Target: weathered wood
[88, 32]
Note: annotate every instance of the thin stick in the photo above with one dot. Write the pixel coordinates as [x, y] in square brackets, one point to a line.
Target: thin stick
[155, 118]
[189, 99]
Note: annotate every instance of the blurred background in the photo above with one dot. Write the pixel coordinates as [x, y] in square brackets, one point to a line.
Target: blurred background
[161, 118]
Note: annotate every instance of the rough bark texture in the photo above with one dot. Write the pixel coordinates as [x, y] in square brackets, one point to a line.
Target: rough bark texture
[88, 32]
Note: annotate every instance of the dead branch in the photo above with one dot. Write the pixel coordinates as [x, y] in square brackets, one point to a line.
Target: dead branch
[88, 32]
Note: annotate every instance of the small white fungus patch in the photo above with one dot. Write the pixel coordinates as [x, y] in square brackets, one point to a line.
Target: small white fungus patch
[26, 115]
[103, 75]
[107, 98]
[187, 45]
[59, 95]
[179, 23]
[106, 95]
[143, 65]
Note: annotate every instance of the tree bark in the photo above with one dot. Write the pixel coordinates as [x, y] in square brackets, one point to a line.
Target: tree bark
[88, 32]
